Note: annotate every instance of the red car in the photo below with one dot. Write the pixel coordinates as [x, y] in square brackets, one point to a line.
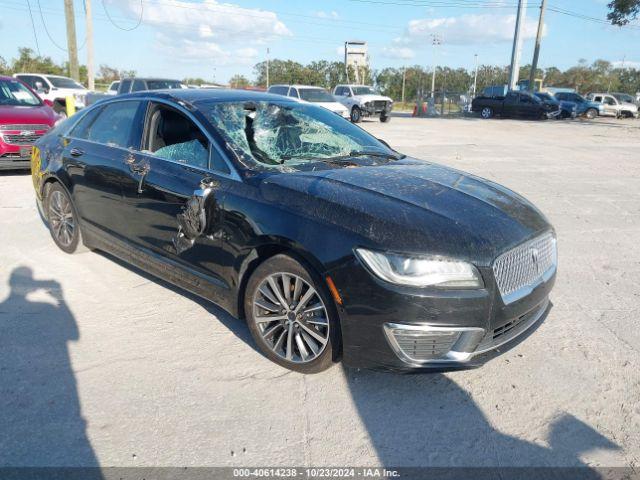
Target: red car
[24, 118]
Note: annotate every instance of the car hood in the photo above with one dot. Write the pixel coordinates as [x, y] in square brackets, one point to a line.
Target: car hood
[26, 115]
[413, 206]
[372, 98]
[630, 106]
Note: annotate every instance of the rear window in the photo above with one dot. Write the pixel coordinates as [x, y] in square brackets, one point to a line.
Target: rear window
[162, 84]
[112, 125]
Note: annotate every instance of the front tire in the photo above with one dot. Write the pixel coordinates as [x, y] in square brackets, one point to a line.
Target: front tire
[591, 113]
[486, 113]
[356, 115]
[62, 219]
[291, 316]
[385, 118]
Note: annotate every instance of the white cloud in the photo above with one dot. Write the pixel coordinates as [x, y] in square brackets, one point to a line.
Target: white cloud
[208, 31]
[471, 29]
[322, 14]
[625, 64]
[403, 53]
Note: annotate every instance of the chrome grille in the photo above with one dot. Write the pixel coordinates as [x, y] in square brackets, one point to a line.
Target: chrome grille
[524, 266]
[20, 138]
[379, 104]
[421, 346]
[24, 126]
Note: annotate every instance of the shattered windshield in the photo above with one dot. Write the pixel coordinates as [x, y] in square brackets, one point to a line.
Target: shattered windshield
[291, 134]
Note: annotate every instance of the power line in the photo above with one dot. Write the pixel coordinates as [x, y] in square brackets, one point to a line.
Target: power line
[44, 24]
[33, 24]
[119, 27]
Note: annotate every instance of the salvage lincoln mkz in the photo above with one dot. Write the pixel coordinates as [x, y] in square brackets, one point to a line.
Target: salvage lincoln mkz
[328, 242]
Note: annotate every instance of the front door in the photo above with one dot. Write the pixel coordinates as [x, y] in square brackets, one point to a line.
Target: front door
[174, 194]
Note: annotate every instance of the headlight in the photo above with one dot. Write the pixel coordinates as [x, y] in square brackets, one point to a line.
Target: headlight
[421, 271]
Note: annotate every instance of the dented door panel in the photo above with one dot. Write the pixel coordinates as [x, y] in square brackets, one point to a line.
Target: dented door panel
[174, 214]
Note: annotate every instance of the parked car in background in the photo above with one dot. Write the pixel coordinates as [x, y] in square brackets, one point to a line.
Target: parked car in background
[330, 244]
[584, 107]
[24, 118]
[612, 107]
[55, 88]
[312, 94]
[129, 85]
[567, 109]
[113, 88]
[515, 104]
[363, 101]
[626, 98]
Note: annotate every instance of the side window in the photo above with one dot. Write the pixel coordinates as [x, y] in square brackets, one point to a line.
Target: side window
[293, 92]
[81, 129]
[125, 86]
[609, 101]
[280, 90]
[525, 99]
[598, 99]
[173, 136]
[138, 86]
[114, 125]
[339, 91]
[28, 79]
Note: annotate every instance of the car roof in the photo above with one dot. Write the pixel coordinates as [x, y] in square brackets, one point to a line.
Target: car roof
[152, 78]
[207, 95]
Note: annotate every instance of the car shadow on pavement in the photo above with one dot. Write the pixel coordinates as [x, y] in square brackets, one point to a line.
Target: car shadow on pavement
[41, 423]
[428, 420]
[236, 326]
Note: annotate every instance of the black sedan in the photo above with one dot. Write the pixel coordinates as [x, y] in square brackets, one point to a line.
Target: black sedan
[328, 242]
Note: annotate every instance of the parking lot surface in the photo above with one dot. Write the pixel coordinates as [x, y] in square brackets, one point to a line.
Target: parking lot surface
[101, 364]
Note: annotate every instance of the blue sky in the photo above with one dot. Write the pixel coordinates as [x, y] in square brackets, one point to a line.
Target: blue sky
[216, 39]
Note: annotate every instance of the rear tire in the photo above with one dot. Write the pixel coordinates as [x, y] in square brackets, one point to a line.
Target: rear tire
[385, 118]
[305, 338]
[356, 115]
[62, 219]
[486, 113]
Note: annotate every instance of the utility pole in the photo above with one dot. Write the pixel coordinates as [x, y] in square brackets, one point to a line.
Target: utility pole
[72, 46]
[536, 51]
[267, 67]
[514, 72]
[404, 78]
[89, 26]
[475, 76]
[435, 41]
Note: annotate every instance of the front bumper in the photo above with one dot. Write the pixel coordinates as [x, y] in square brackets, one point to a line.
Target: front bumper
[397, 328]
[376, 111]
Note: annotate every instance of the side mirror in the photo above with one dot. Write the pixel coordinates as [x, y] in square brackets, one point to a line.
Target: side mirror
[347, 94]
[48, 102]
[40, 88]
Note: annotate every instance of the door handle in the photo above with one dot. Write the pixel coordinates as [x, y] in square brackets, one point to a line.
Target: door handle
[76, 152]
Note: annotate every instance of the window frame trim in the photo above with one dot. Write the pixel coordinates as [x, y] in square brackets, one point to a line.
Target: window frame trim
[233, 174]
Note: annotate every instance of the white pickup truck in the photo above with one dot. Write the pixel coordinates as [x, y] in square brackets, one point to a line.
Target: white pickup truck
[363, 101]
[55, 88]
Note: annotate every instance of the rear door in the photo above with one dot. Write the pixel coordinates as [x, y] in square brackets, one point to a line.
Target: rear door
[95, 153]
[511, 105]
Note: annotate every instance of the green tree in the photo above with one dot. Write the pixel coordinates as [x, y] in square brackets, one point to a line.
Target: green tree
[621, 12]
[239, 81]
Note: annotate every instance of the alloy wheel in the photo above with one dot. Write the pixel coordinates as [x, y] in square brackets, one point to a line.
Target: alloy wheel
[61, 218]
[291, 317]
[486, 112]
